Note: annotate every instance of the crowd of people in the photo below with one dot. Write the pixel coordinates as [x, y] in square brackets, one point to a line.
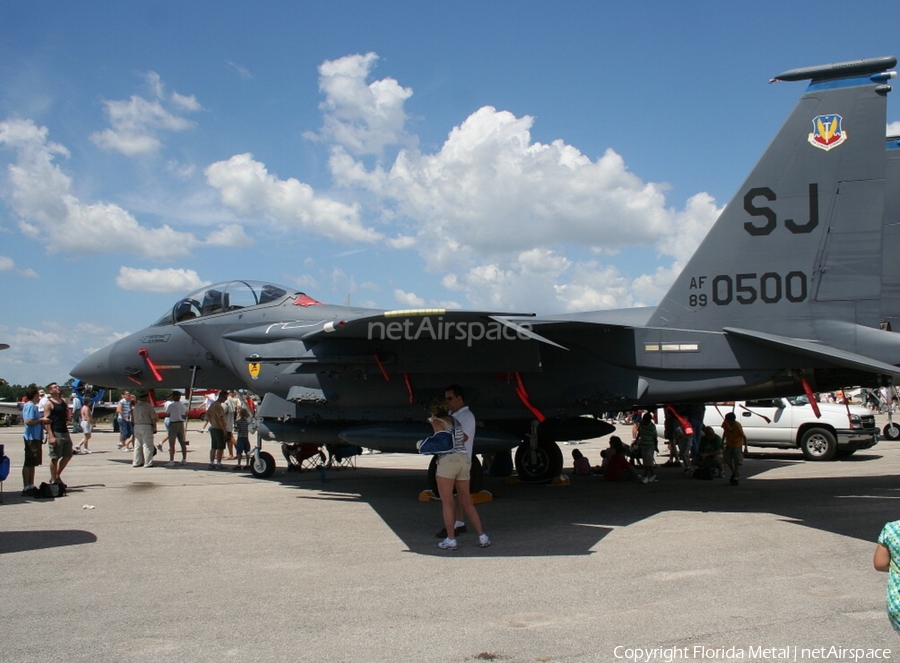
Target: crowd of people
[50, 419]
[697, 448]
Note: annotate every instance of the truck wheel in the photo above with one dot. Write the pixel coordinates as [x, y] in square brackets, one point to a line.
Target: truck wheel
[891, 431]
[818, 444]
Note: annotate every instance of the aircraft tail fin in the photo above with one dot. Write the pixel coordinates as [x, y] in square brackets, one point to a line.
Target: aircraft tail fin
[801, 239]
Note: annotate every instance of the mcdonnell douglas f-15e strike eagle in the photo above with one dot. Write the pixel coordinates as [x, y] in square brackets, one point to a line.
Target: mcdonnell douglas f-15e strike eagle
[795, 288]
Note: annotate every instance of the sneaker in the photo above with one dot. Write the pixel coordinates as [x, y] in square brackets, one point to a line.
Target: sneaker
[211, 467]
[184, 461]
[654, 479]
[77, 450]
[86, 451]
[171, 463]
[484, 540]
[236, 468]
[645, 480]
[159, 447]
[150, 464]
[448, 544]
[443, 533]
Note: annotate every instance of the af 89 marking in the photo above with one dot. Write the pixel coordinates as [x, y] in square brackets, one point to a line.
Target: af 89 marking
[749, 288]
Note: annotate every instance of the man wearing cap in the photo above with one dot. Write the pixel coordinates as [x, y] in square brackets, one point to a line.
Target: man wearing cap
[144, 430]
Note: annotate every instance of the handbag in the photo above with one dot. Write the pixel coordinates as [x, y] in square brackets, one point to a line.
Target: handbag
[438, 443]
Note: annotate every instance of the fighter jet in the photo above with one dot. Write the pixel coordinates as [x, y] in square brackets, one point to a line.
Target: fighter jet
[795, 289]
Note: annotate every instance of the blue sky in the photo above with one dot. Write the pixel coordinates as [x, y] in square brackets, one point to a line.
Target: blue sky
[527, 156]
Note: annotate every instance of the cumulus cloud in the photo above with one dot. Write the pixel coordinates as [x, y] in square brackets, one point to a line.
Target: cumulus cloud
[137, 122]
[893, 128]
[362, 117]
[247, 187]
[230, 235]
[515, 213]
[507, 220]
[159, 280]
[47, 351]
[8, 264]
[40, 193]
[408, 298]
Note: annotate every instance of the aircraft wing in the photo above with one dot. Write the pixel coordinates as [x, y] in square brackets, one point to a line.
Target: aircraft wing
[404, 324]
[8, 408]
[817, 351]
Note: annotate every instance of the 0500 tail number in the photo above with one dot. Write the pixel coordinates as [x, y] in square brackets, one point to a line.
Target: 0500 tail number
[769, 288]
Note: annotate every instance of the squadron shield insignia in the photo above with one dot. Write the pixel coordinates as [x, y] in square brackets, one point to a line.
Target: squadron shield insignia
[827, 132]
[253, 369]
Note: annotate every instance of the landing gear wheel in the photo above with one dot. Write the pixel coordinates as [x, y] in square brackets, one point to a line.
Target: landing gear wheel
[891, 431]
[263, 465]
[546, 463]
[476, 475]
[818, 444]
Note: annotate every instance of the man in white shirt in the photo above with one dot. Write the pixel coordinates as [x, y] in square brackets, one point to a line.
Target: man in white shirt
[176, 411]
[455, 397]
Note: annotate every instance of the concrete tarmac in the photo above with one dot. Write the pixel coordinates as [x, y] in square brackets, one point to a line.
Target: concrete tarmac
[186, 564]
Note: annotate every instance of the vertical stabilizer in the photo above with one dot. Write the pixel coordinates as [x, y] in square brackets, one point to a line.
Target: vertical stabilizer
[801, 239]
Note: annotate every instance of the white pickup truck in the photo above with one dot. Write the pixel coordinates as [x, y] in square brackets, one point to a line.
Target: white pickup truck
[790, 423]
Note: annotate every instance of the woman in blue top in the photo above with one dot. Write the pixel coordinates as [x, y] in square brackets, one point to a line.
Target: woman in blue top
[887, 554]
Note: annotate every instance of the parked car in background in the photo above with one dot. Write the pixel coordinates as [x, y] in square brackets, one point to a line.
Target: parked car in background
[791, 423]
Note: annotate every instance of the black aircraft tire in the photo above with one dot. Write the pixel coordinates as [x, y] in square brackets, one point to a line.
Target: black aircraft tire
[547, 465]
[818, 444]
[264, 467]
[476, 475]
[892, 431]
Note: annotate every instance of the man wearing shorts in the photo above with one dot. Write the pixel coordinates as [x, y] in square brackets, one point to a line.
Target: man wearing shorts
[57, 416]
[87, 427]
[215, 417]
[735, 441]
[34, 440]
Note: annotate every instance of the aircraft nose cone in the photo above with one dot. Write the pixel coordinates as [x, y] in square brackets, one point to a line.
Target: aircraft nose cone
[95, 368]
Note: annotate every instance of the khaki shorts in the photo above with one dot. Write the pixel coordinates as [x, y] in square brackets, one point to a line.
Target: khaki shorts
[455, 466]
[733, 456]
[63, 447]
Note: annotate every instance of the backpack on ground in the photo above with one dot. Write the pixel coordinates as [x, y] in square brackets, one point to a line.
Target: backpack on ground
[705, 473]
[50, 490]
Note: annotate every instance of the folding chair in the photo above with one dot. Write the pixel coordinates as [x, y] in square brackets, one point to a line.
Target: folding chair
[303, 456]
[343, 455]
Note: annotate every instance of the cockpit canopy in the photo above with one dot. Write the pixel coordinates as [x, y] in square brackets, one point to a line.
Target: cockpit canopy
[227, 296]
